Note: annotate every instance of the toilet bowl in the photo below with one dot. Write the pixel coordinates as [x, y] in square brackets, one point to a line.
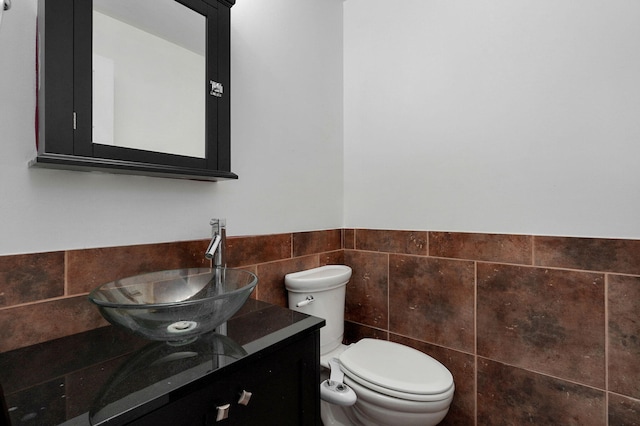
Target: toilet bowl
[393, 384]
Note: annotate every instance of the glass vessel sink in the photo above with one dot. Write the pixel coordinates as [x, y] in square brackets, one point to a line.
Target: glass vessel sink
[176, 305]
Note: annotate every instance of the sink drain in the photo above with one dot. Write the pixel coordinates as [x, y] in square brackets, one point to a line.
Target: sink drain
[181, 326]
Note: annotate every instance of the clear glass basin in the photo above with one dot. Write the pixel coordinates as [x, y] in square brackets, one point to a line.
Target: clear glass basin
[175, 305]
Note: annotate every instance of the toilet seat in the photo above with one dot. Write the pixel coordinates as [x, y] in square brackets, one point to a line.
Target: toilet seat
[396, 370]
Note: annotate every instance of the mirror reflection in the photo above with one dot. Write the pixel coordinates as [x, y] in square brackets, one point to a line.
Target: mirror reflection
[159, 367]
[149, 82]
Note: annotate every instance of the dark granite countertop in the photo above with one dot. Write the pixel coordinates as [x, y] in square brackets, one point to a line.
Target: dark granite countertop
[108, 376]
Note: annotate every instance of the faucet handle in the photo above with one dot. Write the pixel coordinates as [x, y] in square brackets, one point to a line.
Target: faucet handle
[216, 250]
[213, 246]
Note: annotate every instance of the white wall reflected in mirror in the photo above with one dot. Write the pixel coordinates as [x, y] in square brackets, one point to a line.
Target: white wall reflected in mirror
[149, 82]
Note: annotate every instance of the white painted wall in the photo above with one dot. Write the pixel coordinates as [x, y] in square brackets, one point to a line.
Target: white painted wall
[286, 144]
[493, 116]
[156, 88]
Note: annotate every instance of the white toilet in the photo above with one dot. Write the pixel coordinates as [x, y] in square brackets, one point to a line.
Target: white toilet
[393, 384]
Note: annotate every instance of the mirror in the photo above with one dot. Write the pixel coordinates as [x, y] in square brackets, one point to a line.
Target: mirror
[147, 76]
[135, 86]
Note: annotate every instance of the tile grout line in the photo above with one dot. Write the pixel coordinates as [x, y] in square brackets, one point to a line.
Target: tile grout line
[475, 343]
[428, 243]
[388, 296]
[606, 348]
[65, 289]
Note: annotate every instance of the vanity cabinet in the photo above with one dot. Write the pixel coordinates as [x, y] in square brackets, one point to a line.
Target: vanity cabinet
[283, 386]
[108, 377]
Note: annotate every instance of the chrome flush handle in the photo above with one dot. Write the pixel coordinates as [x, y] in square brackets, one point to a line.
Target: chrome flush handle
[305, 302]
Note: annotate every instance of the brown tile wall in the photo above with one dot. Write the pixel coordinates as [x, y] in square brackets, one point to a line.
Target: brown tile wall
[536, 330]
[43, 296]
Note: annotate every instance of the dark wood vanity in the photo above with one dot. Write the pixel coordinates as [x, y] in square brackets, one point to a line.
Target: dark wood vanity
[262, 368]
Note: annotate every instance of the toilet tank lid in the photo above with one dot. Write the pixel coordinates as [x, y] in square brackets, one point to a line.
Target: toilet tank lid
[322, 278]
[396, 367]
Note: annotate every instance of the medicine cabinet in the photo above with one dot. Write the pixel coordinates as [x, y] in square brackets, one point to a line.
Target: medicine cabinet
[135, 87]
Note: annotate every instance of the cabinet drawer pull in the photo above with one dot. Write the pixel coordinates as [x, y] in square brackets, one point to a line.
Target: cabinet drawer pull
[244, 398]
[223, 412]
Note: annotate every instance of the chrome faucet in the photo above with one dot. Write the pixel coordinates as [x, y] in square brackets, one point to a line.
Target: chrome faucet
[216, 250]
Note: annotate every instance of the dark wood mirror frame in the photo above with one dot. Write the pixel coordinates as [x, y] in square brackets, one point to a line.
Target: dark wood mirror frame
[64, 118]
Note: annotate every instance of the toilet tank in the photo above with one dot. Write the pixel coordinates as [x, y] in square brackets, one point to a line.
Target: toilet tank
[321, 292]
